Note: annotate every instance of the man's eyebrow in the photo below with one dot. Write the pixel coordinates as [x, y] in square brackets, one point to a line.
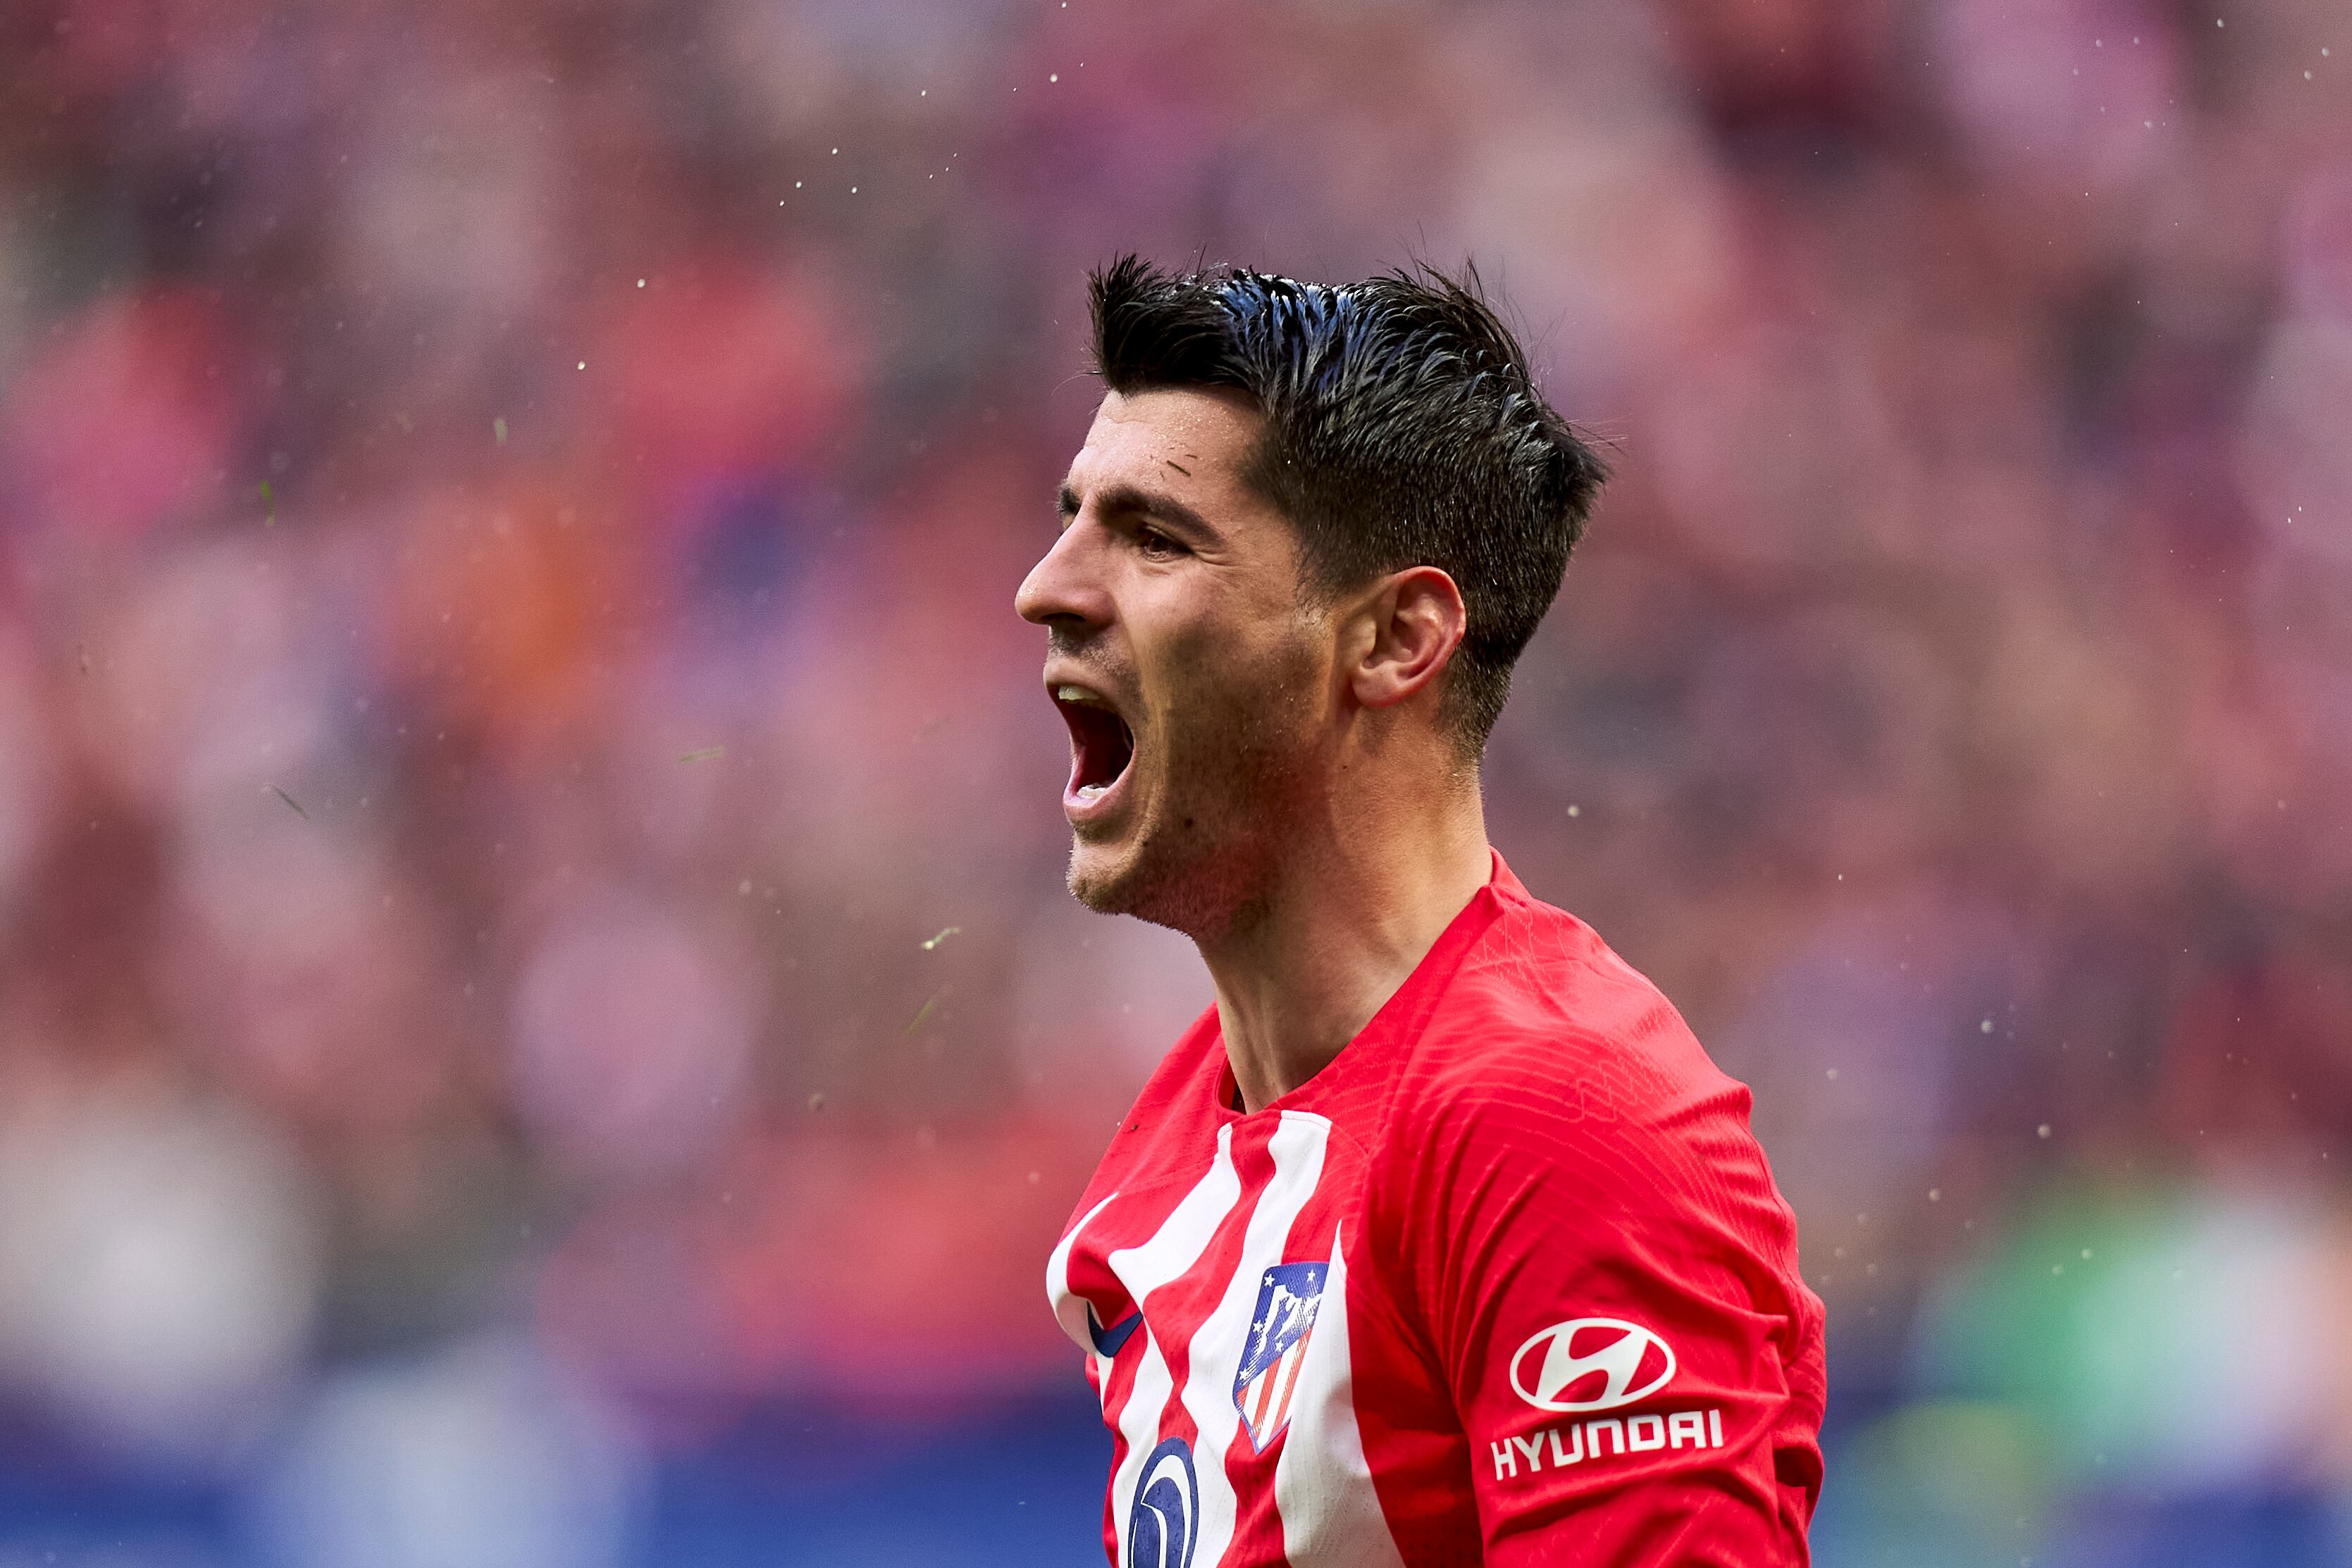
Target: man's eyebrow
[1135, 500]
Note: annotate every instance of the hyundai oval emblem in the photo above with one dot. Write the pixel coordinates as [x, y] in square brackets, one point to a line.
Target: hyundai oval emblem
[1576, 1351]
[1165, 1521]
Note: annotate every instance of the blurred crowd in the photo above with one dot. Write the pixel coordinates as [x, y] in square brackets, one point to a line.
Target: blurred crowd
[535, 986]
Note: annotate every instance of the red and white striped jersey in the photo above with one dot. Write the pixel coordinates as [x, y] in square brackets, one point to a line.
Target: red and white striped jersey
[1507, 1283]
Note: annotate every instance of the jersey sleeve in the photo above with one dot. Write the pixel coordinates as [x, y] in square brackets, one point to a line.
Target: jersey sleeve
[1606, 1282]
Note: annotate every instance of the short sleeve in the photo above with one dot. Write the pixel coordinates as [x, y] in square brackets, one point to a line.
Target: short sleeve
[1606, 1280]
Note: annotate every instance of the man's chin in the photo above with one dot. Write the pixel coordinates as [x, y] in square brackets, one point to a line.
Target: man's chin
[1199, 897]
[1103, 878]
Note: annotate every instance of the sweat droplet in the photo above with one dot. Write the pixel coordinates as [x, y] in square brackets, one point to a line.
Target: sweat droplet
[2042, 1131]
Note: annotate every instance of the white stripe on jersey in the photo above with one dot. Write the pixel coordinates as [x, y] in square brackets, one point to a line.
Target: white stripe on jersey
[1173, 1250]
[1322, 1487]
[1069, 1307]
[1297, 1148]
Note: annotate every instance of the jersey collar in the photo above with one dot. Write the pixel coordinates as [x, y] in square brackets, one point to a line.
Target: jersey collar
[1401, 1019]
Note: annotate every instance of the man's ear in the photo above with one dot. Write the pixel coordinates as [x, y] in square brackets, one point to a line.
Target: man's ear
[1415, 621]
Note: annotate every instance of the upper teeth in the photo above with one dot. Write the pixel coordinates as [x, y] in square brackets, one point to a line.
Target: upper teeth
[1077, 695]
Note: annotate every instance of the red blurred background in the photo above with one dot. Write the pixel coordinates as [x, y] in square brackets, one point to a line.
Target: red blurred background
[539, 1021]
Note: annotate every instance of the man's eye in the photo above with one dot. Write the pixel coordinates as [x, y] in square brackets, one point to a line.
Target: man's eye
[1157, 545]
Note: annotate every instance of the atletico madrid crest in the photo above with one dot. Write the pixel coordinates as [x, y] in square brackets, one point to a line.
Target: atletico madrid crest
[1287, 1298]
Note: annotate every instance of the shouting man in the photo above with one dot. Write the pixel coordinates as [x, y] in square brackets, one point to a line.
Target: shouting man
[1438, 1240]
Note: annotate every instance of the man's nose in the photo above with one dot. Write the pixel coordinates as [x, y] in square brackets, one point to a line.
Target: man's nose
[1066, 585]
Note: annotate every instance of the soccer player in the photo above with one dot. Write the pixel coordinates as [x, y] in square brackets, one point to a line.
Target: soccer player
[1437, 1239]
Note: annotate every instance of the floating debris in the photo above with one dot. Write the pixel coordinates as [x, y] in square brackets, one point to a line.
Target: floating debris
[290, 799]
[941, 938]
[704, 755]
[925, 1011]
[269, 505]
[499, 428]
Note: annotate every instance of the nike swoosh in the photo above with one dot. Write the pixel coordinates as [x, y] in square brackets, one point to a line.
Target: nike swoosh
[1108, 1340]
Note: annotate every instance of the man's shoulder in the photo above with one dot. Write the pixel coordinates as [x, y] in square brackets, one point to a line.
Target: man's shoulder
[1169, 1133]
[1556, 1089]
[1544, 1020]
[1551, 1066]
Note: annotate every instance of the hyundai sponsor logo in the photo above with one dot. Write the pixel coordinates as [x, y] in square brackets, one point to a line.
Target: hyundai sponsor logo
[1165, 1519]
[1606, 1436]
[1591, 1363]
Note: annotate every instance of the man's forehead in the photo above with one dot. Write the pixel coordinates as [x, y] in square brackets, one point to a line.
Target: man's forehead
[1197, 433]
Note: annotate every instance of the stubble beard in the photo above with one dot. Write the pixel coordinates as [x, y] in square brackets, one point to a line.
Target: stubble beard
[1233, 783]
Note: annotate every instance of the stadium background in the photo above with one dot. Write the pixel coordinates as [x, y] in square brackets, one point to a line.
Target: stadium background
[453, 1113]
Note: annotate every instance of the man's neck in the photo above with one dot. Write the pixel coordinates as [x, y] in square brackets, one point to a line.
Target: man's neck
[1354, 912]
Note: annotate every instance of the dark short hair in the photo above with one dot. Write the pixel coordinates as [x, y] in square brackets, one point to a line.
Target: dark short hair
[1401, 429]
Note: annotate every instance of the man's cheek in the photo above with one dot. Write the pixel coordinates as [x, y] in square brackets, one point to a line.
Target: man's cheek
[1198, 677]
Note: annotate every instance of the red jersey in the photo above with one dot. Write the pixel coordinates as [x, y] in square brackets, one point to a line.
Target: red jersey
[1507, 1283]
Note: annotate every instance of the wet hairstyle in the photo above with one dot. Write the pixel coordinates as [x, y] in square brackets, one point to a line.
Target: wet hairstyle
[1401, 429]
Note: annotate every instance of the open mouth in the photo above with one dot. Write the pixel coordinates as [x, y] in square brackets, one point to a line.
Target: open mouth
[1101, 744]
